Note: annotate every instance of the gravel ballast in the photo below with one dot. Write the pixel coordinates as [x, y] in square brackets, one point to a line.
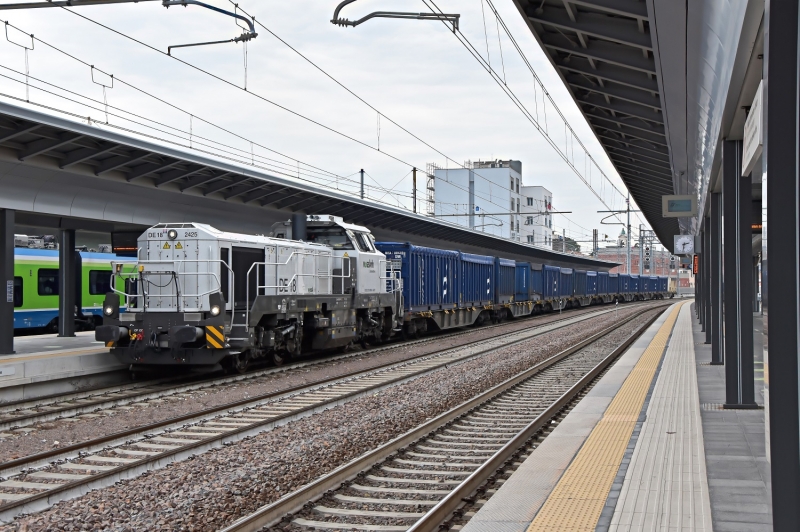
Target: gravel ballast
[60, 433]
[217, 487]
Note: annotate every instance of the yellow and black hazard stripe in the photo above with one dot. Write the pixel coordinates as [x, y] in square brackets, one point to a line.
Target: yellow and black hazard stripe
[215, 336]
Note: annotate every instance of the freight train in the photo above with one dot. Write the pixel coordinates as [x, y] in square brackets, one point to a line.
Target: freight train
[198, 296]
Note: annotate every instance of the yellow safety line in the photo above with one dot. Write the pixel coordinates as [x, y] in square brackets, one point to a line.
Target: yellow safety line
[578, 499]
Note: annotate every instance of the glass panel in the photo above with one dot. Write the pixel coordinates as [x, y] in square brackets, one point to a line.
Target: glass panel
[48, 282]
[99, 282]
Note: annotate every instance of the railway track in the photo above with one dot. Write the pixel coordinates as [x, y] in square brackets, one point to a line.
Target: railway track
[26, 413]
[419, 480]
[36, 482]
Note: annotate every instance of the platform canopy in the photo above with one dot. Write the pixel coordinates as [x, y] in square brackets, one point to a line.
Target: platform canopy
[50, 167]
[604, 52]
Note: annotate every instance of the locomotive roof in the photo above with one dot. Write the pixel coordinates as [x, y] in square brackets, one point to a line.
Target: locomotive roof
[236, 237]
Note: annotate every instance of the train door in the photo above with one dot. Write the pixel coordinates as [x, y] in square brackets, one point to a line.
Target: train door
[245, 286]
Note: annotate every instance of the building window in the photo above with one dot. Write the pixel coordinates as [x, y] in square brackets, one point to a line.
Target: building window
[17, 292]
[517, 204]
[512, 184]
[99, 282]
[529, 220]
[48, 282]
[517, 186]
[530, 202]
[517, 226]
[530, 239]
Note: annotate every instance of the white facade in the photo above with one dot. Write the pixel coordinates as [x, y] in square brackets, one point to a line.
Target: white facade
[537, 222]
[485, 196]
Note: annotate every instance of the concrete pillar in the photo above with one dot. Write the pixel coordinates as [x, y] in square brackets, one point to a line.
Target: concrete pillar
[737, 276]
[67, 279]
[715, 278]
[7, 279]
[779, 189]
[706, 258]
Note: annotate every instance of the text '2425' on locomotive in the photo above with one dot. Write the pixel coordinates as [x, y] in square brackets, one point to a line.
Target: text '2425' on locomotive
[200, 296]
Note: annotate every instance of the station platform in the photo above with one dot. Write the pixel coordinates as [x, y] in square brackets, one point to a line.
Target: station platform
[650, 447]
[46, 364]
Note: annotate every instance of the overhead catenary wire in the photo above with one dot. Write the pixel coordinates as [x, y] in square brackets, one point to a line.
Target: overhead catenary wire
[518, 103]
[271, 102]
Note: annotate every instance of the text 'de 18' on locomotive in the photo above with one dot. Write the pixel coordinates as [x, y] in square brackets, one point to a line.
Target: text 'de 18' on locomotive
[199, 296]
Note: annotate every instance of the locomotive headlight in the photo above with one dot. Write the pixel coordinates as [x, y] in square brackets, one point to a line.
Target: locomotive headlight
[172, 234]
[108, 310]
[215, 310]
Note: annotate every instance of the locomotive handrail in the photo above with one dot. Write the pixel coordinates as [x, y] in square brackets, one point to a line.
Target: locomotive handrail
[392, 276]
[290, 282]
[177, 265]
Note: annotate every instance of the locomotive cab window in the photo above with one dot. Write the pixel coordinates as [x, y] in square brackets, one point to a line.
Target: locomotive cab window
[48, 282]
[99, 282]
[335, 237]
[363, 243]
[17, 292]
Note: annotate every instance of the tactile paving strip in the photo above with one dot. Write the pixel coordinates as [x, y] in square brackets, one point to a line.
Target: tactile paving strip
[578, 499]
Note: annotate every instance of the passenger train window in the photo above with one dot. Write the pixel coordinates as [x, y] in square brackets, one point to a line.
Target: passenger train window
[334, 237]
[363, 243]
[17, 291]
[48, 282]
[99, 282]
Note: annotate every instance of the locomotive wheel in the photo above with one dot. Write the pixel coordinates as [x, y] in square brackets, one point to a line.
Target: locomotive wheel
[278, 358]
[241, 362]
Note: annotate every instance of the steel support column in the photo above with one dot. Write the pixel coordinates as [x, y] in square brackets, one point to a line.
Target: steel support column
[737, 278]
[67, 279]
[7, 278]
[706, 257]
[779, 189]
[755, 284]
[715, 277]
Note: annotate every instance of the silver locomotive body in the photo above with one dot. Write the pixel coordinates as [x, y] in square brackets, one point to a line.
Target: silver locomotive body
[199, 296]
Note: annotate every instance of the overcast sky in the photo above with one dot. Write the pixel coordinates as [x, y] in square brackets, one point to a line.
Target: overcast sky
[414, 72]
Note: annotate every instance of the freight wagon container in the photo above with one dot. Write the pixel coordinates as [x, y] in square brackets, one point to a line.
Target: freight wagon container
[602, 283]
[652, 285]
[663, 284]
[635, 284]
[550, 281]
[504, 280]
[523, 282]
[624, 283]
[566, 283]
[579, 279]
[592, 283]
[430, 276]
[477, 280]
[537, 281]
[613, 283]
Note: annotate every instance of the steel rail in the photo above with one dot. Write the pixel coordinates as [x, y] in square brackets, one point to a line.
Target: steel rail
[9, 421]
[272, 513]
[39, 501]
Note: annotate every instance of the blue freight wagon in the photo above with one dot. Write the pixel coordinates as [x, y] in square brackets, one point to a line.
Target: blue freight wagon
[566, 283]
[523, 282]
[613, 285]
[602, 286]
[592, 284]
[477, 280]
[581, 288]
[537, 280]
[634, 287]
[504, 280]
[625, 287]
[430, 276]
[551, 279]
[663, 285]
